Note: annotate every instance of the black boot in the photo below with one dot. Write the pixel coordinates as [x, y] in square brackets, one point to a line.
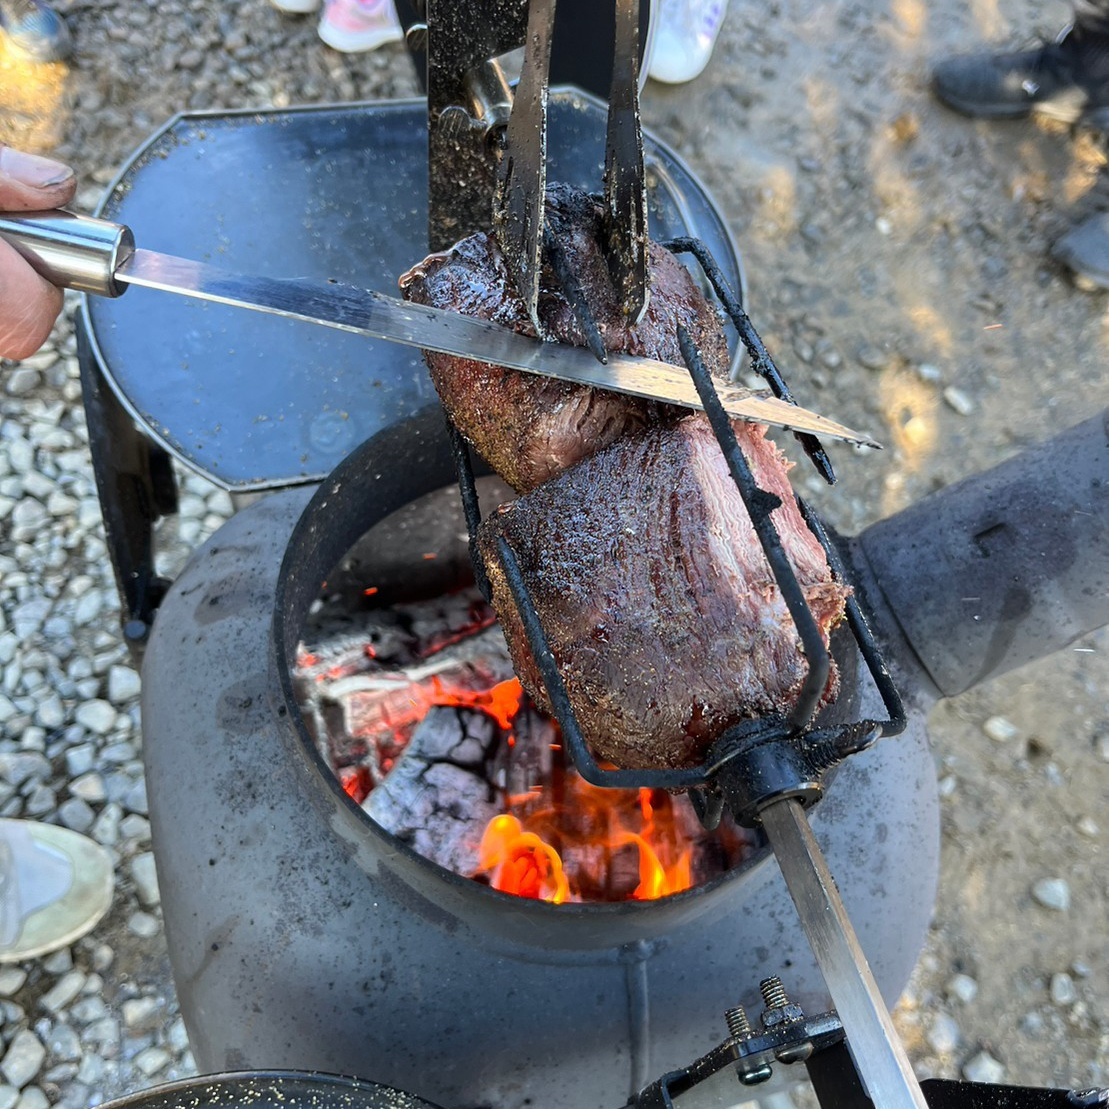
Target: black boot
[1066, 80]
[1084, 250]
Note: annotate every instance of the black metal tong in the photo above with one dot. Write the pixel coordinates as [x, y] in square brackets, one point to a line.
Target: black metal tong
[519, 196]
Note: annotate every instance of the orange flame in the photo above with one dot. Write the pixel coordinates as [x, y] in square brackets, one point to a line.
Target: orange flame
[594, 827]
[520, 862]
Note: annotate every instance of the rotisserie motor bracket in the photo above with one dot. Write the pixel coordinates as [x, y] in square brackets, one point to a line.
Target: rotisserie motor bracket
[765, 757]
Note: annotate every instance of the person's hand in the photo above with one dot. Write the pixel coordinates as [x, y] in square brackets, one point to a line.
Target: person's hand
[29, 305]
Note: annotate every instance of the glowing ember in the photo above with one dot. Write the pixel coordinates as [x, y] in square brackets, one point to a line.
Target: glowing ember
[501, 804]
[502, 702]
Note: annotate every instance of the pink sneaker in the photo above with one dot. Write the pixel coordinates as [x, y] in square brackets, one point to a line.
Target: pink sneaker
[353, 26]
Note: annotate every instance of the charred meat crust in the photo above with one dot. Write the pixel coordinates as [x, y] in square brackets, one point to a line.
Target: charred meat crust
[638, 551]
[662, 612]
[528, 428]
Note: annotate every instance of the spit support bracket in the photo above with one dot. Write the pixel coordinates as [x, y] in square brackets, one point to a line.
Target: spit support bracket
[819, 1043]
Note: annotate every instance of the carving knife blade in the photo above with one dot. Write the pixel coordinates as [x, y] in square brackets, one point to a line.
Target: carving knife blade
[99, 257]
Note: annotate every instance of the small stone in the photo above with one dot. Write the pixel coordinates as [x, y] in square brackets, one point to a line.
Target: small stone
[50, 712]
[134, 800]
[1000, 730]
[89, 787]
[943, 1035]
[23, 766]
[96, 715]
[963, 988]
[146, 879]
[59, 963]
[1052, 893]
[1032, 1024]
[63, 991]
[141, 1014]
[105, 829]
[883, 225]
[135, 827]
[40, 801]
[152, 1060]
[76, 814]
[104, 1033]
[178, 1037]
[24, 1058]
[1103, 747]
[958, 401]
[124, 685]
[872, 358]
[102, 957]
[88, 1010]
[32, 1098]
[11, 980]
[64, 1044]
[9, 1097]
[80, 760]
[143, 925]
[930, 372]
[1063, 991]
[983, 1067]
[91, 1070]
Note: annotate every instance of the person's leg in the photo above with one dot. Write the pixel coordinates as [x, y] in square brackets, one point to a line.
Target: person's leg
[35, 29]
[1066, 80]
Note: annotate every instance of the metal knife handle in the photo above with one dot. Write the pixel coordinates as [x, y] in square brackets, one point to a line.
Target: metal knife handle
[71, 251]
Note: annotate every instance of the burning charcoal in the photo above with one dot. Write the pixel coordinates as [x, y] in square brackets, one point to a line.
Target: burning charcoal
[663, 615]
[530, 428]
[435, 806]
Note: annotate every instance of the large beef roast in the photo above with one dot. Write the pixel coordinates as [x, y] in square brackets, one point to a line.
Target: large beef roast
[529, 428]
[636, 546]
[660, 607]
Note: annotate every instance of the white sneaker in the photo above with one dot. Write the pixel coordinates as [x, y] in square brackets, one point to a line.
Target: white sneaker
[296, 7]
[354, 26]
[683, 40]
[55, 885]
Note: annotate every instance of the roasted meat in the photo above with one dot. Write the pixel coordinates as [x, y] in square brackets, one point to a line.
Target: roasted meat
[529, 428]
[659, 605]
[636, 546]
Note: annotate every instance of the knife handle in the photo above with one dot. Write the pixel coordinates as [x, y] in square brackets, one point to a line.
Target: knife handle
[71, 251]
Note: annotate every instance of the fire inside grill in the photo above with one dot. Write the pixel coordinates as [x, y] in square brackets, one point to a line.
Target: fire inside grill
[420, 717]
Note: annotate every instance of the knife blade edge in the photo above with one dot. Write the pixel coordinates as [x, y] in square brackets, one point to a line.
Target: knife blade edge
[366, 312]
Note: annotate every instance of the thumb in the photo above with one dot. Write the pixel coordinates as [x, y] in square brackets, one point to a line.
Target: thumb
[29, 181]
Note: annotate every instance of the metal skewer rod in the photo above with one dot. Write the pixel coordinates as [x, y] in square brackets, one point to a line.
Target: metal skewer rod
[875, 1047]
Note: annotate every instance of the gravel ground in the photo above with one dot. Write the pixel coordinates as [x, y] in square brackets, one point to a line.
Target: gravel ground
[896, 256]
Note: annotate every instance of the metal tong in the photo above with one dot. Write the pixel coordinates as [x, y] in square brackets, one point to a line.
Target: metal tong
[520, 193]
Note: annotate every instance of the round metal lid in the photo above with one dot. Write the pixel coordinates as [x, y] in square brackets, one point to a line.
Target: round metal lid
[270, 1090]
[256, 402]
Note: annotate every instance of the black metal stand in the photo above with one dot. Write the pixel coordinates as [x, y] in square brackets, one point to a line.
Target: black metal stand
[136, 486]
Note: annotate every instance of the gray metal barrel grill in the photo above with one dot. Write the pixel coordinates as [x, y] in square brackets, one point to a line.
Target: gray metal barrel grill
[301, 934]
